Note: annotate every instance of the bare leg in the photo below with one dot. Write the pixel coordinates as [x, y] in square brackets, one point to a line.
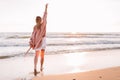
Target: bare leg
[42, 59]
[36, 61]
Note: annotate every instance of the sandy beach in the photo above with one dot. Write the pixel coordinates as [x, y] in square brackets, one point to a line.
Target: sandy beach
[102, 74]
[95, 65]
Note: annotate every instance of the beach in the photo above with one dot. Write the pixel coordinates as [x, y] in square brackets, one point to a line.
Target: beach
[92, 65]
[102, 74]
[82, 39]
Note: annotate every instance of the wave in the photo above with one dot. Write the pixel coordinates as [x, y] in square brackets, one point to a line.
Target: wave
[61, 35]
[9, 56]
[14, 35]
[84, 43]
[82, 50]
[60, 52]
[17, 37]
[104, 42]
[12, 45]
[59, 43]
[83, 36]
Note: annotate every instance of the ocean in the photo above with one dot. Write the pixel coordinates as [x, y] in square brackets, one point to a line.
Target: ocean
[15, 44]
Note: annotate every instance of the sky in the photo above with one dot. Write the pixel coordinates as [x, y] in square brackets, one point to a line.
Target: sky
[63, 15]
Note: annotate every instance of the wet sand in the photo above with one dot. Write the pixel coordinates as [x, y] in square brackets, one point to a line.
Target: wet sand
[102, 74]
[103, 65]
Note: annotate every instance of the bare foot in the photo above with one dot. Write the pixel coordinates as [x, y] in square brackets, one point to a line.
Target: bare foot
[35, 72]
[41, 69]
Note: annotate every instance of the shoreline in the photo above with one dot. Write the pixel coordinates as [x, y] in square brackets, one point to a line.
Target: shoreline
[21, 68]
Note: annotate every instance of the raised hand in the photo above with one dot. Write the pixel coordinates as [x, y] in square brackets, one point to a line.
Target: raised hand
[46, 6]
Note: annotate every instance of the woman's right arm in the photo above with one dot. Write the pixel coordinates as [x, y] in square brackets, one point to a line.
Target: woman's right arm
[44, 20]
[45, 14]
[31, 42]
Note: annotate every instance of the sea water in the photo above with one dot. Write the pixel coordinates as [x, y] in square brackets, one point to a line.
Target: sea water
[15, 44]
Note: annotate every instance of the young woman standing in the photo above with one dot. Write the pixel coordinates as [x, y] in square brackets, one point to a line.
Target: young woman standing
[38, 40]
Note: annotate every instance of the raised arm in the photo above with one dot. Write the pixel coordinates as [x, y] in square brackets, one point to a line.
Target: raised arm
[45, 13]
[43, 27]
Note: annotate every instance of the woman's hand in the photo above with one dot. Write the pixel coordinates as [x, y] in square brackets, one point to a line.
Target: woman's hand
[32, 46]
[46, 6]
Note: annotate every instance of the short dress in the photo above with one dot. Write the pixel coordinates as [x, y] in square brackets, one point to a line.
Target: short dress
[43, 45]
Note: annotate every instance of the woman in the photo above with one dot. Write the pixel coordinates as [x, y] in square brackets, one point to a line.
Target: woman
[38, 39]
